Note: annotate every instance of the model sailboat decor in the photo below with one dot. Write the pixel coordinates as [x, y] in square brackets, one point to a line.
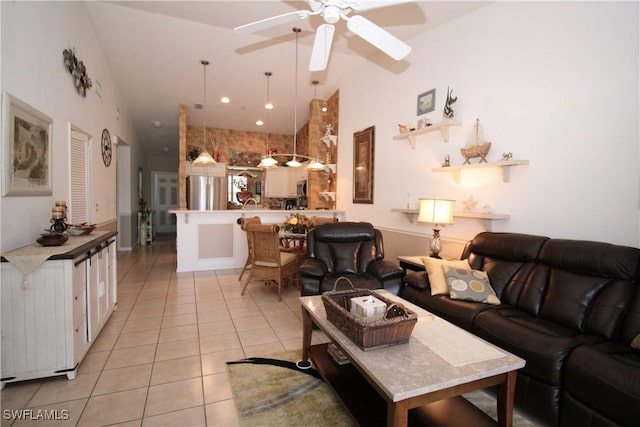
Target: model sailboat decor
[476, 145]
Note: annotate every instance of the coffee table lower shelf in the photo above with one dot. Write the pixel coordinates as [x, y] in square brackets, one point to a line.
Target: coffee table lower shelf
[368, 408]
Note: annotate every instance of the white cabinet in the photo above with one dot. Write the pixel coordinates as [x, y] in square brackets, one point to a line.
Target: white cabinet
[276, 182]
[281, 182]
[51, 316]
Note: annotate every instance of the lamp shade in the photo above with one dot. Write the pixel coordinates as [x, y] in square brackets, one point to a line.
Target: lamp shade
[204, 159]
[436, 211]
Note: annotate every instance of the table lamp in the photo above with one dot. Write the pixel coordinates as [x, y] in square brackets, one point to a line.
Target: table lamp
[437, 212]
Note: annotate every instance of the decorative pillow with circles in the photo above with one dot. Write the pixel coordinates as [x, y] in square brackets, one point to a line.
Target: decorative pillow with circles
[469, 285]
[433, 266]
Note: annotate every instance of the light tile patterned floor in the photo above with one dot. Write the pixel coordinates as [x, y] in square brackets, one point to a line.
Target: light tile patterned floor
[160, 359]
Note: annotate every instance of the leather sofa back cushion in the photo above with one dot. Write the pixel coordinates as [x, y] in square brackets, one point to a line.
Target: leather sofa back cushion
[590, 285]
[508, 258]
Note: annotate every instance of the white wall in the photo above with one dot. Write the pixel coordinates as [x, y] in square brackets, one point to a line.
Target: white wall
[34, 34]
[553, 83]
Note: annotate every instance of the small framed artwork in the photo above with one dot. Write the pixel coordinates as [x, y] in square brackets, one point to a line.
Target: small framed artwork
[363, 162]
[26, 145]
[427, 102]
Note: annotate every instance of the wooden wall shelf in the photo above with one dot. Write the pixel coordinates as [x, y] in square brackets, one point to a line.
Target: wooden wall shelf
[443, 127]
[505, 167]
[412, 216]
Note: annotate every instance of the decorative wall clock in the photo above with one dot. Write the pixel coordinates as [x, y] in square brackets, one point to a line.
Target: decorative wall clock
[106, 148]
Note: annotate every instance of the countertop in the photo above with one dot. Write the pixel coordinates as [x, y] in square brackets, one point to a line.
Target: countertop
[72, 248]
[245, 211]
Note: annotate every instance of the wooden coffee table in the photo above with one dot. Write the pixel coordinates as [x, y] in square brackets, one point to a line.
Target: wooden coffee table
[440, 362]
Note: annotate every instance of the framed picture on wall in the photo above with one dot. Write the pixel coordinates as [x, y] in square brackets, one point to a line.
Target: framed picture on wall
[427, 102]
[26, 145]
[363, 162]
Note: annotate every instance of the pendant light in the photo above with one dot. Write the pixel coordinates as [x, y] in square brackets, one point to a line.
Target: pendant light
[204, 158]
[294, 163]
[268, 105]
[268, 161]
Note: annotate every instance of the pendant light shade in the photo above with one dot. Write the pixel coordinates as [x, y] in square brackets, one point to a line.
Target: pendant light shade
[204, 158]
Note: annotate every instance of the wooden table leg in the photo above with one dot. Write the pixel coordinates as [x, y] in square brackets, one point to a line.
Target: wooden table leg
[307, 326]
[506, 392]
[397, 415]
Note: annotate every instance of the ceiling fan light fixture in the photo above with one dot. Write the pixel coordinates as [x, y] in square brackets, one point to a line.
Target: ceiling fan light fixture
[331, 14]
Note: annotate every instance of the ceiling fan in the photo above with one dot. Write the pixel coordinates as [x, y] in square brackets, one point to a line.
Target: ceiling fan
[332, 11]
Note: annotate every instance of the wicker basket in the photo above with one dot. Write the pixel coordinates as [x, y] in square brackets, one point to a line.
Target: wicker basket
[394, 328]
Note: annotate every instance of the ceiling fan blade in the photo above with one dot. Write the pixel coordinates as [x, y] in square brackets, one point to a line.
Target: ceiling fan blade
[272, 22]
[374, 4]
[378, 37]
[321, 47]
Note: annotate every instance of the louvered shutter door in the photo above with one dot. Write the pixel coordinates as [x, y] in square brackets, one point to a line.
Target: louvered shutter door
[79, 182]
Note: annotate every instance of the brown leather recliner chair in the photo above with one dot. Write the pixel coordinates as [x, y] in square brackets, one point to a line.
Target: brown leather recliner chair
[347, 249]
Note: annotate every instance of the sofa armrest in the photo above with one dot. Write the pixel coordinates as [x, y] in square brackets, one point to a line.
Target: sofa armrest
[312, 268]
[385, 270]
[418, 280]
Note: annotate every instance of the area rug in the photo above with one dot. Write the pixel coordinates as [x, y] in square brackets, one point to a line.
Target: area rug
[269, 395]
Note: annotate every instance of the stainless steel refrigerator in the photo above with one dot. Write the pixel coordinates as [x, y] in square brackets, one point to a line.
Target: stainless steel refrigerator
[206, 193]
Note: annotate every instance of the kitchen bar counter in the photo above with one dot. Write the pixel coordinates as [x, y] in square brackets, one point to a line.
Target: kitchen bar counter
[213, 240]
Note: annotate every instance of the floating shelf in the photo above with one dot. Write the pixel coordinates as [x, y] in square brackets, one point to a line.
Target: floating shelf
[328, 195]
[505, 167]
[330, 139]
[443, 127]
[412, 216]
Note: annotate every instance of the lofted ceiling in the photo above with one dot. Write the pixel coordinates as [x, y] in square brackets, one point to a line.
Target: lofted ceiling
[154, 50]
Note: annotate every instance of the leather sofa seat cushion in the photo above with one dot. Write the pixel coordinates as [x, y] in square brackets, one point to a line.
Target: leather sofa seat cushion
[543, 344]
[605, 378]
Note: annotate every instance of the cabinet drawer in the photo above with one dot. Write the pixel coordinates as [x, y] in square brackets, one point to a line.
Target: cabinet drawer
[79, 338]
[79, 306]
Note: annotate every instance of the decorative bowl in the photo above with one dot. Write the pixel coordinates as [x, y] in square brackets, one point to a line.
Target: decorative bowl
[52, 239]
[80, 229]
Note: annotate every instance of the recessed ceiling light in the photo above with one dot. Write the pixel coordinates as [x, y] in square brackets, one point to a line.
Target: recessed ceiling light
[225, 100]
[268, 106]
[157, 124]
[259, 122]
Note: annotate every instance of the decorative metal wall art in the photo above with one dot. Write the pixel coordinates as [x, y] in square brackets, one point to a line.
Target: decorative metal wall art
[78, 71]
[447, 112]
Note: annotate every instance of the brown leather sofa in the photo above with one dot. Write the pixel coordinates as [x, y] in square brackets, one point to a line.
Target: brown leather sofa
[347, 249]
[569, 308]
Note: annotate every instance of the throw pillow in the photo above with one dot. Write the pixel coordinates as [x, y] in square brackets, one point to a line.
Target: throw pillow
[470, 285]
[636, 342]
[433, 266]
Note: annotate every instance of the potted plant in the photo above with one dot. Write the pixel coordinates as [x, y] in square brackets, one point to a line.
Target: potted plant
[193, 153]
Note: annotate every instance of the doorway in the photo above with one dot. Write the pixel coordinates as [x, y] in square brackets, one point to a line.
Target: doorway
[164, 198]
